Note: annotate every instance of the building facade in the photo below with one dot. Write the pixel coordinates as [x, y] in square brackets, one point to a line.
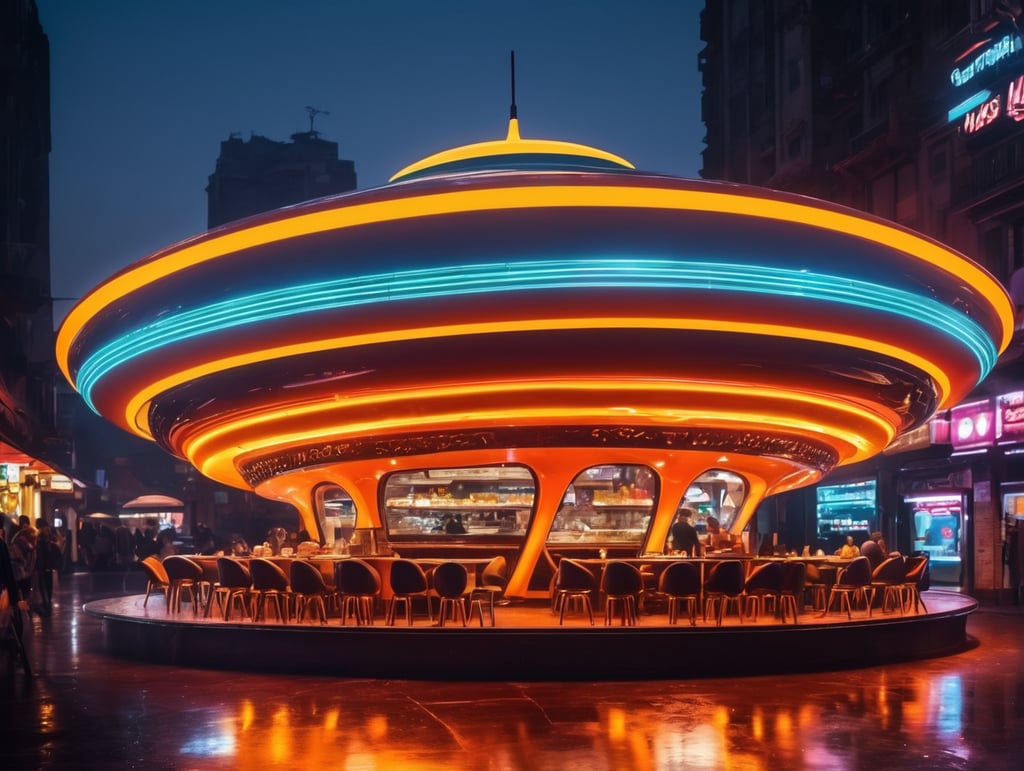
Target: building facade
[911, 110]
[29, 443]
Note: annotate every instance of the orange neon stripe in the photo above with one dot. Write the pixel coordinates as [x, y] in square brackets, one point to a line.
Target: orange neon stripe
[135, 412]
[193, 253]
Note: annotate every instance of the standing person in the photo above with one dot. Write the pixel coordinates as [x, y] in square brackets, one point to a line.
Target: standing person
[684, 534]
[23, 560]
[48, 558]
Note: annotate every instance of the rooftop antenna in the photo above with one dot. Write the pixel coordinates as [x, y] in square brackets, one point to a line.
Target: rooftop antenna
[512, 111]
[313, 112]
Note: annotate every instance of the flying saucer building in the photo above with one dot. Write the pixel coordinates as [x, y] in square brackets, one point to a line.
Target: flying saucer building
[536, 336]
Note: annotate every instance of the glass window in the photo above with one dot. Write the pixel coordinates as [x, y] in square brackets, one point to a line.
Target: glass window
[846, 509]
[715, 495]
[475, 502]
[336, 514]
[606, 505]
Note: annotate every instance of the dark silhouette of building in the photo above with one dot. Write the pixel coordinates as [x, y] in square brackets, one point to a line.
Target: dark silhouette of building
[912, 110]
[261, 174]
[27, 369]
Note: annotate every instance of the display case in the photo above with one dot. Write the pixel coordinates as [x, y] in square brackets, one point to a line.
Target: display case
[469, 502]
[606, 505]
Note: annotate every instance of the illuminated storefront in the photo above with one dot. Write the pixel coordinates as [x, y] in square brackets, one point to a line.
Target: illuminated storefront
[539, 342]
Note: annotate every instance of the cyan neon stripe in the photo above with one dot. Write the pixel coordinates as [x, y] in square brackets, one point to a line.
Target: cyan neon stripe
[967, 105]
[526, 276]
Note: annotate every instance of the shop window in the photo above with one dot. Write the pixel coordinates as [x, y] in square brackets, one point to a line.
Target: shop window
[476, 502]
[606, 505]
[715, 495]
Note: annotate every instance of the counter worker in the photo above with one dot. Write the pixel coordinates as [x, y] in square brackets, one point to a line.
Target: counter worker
[684, 534]
[716, 538]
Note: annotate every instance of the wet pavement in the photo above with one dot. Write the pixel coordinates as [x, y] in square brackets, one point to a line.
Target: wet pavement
[85, 709]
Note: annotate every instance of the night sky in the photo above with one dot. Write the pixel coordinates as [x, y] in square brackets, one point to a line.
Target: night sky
[143, 93]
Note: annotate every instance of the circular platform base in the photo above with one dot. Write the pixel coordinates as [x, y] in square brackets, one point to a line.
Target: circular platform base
[529, 644]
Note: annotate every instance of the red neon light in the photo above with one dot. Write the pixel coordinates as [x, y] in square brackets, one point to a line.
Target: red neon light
[982, 115]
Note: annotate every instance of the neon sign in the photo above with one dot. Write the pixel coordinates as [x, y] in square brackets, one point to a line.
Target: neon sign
[983, 115]
[1008, 45]
[984, 108]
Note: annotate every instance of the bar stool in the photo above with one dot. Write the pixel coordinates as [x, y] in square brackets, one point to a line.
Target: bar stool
[724, 586]
[764, 583]
[574, 585]
[492, 583]
[621, 584]
[358, 585]
[680, 582]
[269, 582]
[793, 577]
[309, 589]
[407, 580]
[889, 577]
[450, 582]
[234, 585]
[156, 578]
[852, 584]
[183, 576]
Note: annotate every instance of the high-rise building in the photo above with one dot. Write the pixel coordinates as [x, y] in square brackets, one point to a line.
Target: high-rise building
[261, 174]
[912, 110]
[26, 319]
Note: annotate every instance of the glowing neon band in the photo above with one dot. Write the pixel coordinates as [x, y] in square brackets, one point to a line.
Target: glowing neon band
[531, 276]
[191, 253]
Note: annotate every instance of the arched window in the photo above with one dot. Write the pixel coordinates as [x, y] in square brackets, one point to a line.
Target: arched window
[717, 495]
[335, 512]
[609, 504]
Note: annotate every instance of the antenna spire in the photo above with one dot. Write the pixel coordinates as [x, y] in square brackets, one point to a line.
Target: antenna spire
[512, 111]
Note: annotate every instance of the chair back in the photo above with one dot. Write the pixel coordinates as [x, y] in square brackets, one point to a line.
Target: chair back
[353, 576]
[794, 576]
[407, 577]
[917, 570]
[266, 576]
[450, 580]
[680, 579]
[181, 568]
[873, 552]
[726, 578]
[574, 577]
[892, 571]
[621, 578]
[155, 571]
[495, 573]
[232, 574]
[766, 577]
[306, 578]
[857, 573]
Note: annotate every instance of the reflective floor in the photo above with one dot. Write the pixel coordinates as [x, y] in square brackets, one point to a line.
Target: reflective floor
[86, 710]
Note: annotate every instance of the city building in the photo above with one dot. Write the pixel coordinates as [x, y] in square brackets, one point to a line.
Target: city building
[29, 444]
[911, 111]
[261, 174]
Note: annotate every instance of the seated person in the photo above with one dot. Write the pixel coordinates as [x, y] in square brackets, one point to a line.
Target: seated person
[848, 550]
